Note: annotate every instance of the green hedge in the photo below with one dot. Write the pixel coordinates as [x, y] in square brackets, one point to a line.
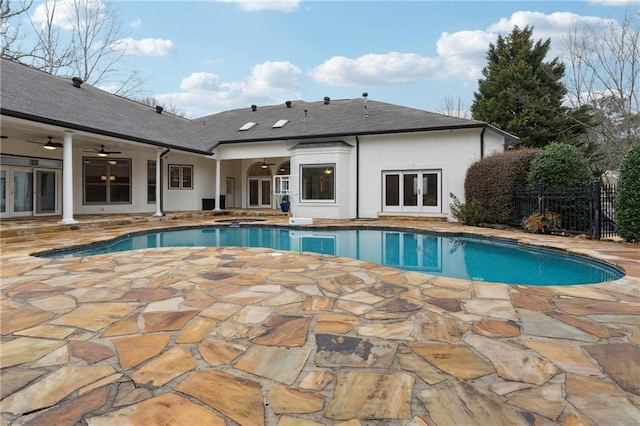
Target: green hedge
[491, 181]
[628, 196]
[560, 164]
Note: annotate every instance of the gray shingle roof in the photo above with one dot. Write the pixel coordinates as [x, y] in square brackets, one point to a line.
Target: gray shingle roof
[341, 117]
[38, 96]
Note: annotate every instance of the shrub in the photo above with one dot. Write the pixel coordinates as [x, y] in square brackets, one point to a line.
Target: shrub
[560, 164]
[537, 223]
[491, 181]
[628, 196]
[471, 213]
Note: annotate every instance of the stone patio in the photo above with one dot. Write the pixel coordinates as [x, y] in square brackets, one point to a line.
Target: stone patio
[214, 336]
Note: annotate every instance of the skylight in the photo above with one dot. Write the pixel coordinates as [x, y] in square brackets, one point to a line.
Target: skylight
[247, 126]
[280, 123]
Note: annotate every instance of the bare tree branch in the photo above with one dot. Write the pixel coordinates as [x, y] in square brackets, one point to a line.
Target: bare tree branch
[604, 74]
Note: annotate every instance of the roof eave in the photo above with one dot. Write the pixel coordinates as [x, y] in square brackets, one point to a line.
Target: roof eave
[44, 120]
[361, 133]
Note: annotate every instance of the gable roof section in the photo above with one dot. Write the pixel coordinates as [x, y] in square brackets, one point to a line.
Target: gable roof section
[338, 118]
[37, 96]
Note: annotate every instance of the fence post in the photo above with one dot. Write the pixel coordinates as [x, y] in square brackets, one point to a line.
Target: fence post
[541, 208]
[595, 206]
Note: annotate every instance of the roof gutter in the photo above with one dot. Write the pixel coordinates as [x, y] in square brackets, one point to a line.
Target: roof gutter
[161, 168]
[357, 177]
[346, 134]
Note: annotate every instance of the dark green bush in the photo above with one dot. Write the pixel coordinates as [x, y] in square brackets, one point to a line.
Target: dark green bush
[628, 196]
[471, 213]
[560, 164]
[491, 181]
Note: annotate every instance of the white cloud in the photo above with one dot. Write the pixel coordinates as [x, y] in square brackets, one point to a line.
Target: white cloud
[463, 53]
[145, 46]
[258, 5]
[375, 69]
[63, 12]
[459, 56]
[204, 93]
[554, 25]
[135, 24]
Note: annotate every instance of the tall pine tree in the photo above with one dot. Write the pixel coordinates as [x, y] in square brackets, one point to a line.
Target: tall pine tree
[522, 94]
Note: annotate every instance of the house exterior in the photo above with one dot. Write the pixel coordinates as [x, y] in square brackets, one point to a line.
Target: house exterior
[341, 159]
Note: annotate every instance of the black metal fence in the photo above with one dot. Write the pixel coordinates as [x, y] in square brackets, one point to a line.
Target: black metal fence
[587, 210]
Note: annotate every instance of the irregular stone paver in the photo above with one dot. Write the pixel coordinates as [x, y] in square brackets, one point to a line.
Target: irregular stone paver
[539, 324]
[235, 335]
[72, 412]
[432, 326]
[94, 316]
[600, 401]
[236, 397]
[621, 361]
[513, 363]
[457, 360]
[52, 388]
[89, 351]
[567, 355]
[169, 409]
[171, 364]
[293, 400]
[220, 352]
[283, 331]
[346, 351]
[281, 364]
[13, 320]
[547, 400]
[459, 403]
[371, 396]
[136, 350]
[26, 349]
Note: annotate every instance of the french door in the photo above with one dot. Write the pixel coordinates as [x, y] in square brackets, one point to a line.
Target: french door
[412, 191]
[260, 192]
[28, 192]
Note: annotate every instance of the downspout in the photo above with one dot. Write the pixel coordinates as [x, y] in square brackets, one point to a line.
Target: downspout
[482, 142]
[357, 177]
[160, 199]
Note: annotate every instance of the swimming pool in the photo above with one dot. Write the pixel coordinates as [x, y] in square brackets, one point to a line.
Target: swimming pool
[475, 258]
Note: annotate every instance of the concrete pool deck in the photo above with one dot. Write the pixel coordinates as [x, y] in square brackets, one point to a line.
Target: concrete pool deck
[195, 336]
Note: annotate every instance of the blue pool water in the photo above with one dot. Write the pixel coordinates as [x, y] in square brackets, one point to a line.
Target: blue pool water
[463, 257]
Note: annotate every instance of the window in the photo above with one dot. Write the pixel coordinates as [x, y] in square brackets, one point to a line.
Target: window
[151, 182]
[318, 182]
[180, 176]
[107, 181]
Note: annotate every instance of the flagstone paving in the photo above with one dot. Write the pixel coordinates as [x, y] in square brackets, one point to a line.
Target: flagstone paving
[215, 336]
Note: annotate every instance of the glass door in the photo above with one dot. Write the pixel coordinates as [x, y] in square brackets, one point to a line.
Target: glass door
[22, 192]
[3, 193]
[412, 191]
[260, 192]
[46, 185]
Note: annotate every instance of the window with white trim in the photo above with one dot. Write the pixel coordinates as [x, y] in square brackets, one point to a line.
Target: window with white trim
[318, 182]
[180, 176]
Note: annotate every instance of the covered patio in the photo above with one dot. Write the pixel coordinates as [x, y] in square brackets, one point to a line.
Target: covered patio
[205, 335]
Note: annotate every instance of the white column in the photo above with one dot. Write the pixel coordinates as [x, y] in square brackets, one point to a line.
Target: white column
[217, 208]
[158, 184]
[67, 180]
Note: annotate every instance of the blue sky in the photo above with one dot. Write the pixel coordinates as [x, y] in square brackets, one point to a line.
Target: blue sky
[209, 56]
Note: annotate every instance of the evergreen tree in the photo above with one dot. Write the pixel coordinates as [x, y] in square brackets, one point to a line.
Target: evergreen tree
[522, 94]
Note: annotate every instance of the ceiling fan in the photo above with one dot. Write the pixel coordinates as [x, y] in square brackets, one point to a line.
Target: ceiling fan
[265, 164]
[50, 144]
[102, 153]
